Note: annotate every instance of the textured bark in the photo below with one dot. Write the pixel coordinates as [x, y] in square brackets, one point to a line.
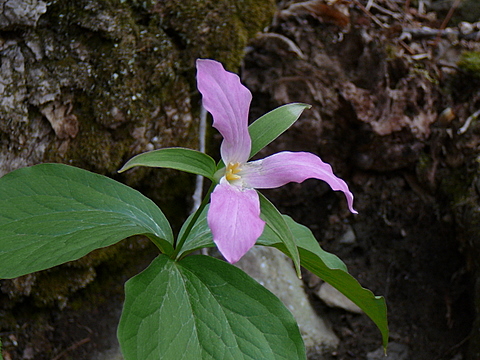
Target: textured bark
[90, 83]
[110, 78]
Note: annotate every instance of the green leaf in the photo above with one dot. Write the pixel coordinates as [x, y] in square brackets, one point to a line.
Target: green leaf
[276, 223]
[183, 159]
[54, 213]
[204, 308]
[332, 270]
[274, 123]
[200, 235]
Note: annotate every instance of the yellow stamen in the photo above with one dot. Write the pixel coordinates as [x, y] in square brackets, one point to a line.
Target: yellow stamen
[232, 170]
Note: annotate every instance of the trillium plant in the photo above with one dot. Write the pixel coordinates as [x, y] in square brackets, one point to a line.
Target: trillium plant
[187, 306]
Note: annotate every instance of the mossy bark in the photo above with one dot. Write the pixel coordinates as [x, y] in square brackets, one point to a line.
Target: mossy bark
[92, 83]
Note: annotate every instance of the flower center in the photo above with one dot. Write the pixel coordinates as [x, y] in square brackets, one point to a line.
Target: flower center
[232, 171]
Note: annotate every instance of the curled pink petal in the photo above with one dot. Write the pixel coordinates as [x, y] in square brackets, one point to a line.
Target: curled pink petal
[229, 102]
[234, 219]
[284, 167]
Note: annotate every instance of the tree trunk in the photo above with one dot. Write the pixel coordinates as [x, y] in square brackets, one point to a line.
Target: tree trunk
[90, 83]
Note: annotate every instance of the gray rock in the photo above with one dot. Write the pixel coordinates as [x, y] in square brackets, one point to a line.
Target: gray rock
[334, 298]
[13, 87]
[348, 237]
[111, 354]
[20, 12]
[275, 271]
[395, 351]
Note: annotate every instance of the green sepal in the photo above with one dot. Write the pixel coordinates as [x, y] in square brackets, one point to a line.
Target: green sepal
[274, 123]
[183, 159]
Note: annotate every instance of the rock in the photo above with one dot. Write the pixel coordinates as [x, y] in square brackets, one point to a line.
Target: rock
[16, 13]
[274, 270]
[348, 237]
[111, 354]
[28, 353]
[395, 351]
[334, 298]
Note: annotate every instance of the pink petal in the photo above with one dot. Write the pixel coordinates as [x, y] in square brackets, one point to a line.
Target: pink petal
[284, 167]
[229, 102]
[234, 219]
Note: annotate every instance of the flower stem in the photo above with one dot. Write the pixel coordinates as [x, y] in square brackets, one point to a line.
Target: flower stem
[179, 243]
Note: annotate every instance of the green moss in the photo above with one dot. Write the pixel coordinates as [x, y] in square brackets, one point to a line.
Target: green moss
[217, 29]
[56, 285]
[118, 261]
[423, 167]
[419, 69]
[391, 52]
[126, 61]
[123, 77]
[470, 62]
[456, 185]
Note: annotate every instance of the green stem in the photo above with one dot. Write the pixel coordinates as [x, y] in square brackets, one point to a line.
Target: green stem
[179, 244]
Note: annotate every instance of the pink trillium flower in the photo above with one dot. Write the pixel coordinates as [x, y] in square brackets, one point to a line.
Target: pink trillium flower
[234, 213]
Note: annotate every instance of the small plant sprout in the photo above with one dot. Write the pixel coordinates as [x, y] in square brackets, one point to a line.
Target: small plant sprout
[186, 306]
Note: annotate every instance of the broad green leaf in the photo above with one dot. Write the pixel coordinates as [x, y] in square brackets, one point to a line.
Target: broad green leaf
[183, 159]
[203, 308]
[276, 222]
[332, 270]
[54, 213]
[274, 123]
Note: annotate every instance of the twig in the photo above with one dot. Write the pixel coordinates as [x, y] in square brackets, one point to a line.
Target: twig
[454, 347]
[202, 130]
[70, 348]
[447, 19]
[386, 11]
[406, 47]
[369, 14]
[421, 7]
[469, 120]
[202, 134]
[448, 65]
[369, 5]
[407, 6]
[426, 32]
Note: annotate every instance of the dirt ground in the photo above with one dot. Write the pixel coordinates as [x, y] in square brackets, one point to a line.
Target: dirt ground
[381, 100]
[405, 255]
